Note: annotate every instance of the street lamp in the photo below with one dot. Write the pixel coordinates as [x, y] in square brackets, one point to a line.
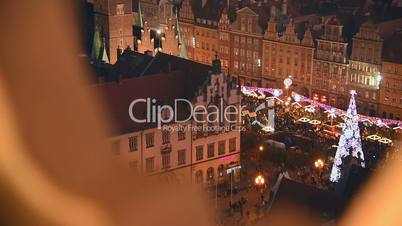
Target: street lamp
[259, 180]
[379, 78]
[287, 82]
[261, 148]
[319, 164]
[159, 48]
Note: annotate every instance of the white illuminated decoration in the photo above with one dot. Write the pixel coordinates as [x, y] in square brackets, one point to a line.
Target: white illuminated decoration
[310, 108]
[268, 129]
[373, 137]
[265, 128]
[277, 92]
[385, 140]
[381, 124]
[287, 82]
[349, 141]
[331, 113]
[303, 119]
[297, 98]
[315, 122]
[340, 125]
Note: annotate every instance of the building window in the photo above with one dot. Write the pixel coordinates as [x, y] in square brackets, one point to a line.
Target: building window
[120, 9]
[210, 173]
[133, 165]
[221, 171]
[149, 164]
[199, 152]
[165, 136]
[221, 148]
[116, 147]
[132, 143]
[198, 177]
[166, 161]
[211, 151]
[232, 145]
[181, 157]
[181, 134]
[149, 140]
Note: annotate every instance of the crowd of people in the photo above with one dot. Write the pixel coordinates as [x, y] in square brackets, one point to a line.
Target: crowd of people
[325, 135]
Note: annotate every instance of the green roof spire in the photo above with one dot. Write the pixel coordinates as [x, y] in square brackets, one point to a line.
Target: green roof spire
[139, 22]
[182, 45]
[96, 45]
[104, 58]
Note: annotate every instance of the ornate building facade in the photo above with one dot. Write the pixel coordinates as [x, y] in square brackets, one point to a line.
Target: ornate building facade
[331, 66]
[141, 25]
[196, 148]
[365, 68]
[286, 56]
[245, 56]
[251, 51]
[114, 21]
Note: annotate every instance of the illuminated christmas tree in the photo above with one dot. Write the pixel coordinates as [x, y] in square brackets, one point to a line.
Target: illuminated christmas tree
[349, 142]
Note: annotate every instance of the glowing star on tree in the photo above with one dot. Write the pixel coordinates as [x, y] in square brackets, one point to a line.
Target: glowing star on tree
[349, 142]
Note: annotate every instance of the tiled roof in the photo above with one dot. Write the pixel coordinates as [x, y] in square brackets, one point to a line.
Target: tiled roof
[392, 51]
[388, 28]
[182, 79]
[314, 201]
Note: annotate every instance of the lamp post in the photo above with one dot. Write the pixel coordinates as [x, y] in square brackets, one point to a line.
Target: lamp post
[158, 33]
[260, 181]
[319, 164]
[287, 82]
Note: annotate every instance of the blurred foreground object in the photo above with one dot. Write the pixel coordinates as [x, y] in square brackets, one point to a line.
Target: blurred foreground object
[55, 166]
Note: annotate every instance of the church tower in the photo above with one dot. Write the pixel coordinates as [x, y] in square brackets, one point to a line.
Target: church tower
[114, 21]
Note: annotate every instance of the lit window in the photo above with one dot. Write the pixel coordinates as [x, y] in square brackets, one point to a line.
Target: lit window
[132, 143]
[221, 147]
[199, 152]
[120, 9]
[181, 157]
[165, 136]
[166, 161]
[232, 145]
[149, 140]
[149, 164]
[211, 150]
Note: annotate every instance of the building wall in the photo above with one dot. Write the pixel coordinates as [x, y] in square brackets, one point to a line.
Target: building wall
[285, 56]
[246, 54]
[206, 44]
[365, 67]
[331, 67]
[114, 19]
[189, 171]
[391, 91]
[225, 42]
[187, 33]
[231, 156]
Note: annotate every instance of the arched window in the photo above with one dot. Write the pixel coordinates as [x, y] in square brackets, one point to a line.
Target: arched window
[198, 177]
[210, 173]
[221, 171]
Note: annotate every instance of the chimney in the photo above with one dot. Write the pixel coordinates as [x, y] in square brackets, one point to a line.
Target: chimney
[216, 65]
[273, 11]
[284, 7]
[148, 52]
